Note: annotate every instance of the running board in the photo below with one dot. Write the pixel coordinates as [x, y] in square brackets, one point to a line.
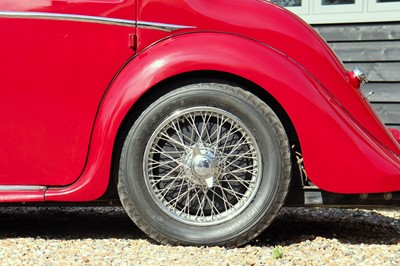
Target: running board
[10, 194]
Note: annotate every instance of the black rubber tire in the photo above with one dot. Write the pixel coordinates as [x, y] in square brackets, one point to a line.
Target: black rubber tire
[266, 129]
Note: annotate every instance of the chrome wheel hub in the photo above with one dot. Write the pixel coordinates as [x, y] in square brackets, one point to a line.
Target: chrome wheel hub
[201, 166]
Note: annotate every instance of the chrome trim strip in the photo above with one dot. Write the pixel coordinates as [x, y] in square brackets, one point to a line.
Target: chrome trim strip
[21, 188]
[162, 26]
[68, 17]
[94, 19]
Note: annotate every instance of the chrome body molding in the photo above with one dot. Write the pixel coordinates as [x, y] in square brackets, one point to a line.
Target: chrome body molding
[162, 26]
[21, 188]
[67, 17]
[93, 19]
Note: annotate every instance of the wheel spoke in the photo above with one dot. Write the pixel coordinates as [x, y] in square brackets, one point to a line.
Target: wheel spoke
[170, 172]
[212, 206]
[183, 137]
[161, 193]
[230, 191]
[242, 170]
[180, 195]
[189, 200]
[200, 210]
[225, 198]
[225, 201]
[238, 179]
[238, 157]
[235, 148]
[192, 122]
[204, 123]
[164, 136]
[158, 178]
[178, 132]
[231, 132]
[159, 150]
[162, 164]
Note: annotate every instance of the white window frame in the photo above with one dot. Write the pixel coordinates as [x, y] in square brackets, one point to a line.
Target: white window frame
[335, 9]
[303, 9]
[374, 6]
[313, 12]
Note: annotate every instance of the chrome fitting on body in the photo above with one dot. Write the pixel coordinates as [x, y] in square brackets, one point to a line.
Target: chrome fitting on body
[360, 74]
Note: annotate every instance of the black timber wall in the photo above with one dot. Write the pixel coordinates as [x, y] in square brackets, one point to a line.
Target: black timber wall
[376, 49]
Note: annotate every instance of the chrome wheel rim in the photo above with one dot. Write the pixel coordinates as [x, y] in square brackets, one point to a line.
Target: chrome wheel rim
[202, 166]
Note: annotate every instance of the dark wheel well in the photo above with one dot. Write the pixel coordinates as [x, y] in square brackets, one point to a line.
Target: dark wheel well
[170, 84]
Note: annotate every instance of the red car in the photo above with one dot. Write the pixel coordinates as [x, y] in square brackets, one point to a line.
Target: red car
[203, 118]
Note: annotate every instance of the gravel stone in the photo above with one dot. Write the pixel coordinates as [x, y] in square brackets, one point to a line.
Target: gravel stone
[106, 236]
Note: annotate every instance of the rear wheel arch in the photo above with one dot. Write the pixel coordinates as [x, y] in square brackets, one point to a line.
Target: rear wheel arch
[167, 85]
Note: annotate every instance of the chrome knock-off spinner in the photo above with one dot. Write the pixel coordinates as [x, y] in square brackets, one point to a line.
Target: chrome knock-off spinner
[201, 166]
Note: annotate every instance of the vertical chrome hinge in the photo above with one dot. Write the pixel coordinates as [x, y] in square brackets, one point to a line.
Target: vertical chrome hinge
[132, 41]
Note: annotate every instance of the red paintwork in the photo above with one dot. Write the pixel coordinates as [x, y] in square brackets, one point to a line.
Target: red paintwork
[353, 80]
[53, 76]
[346, 148]
[395, 133]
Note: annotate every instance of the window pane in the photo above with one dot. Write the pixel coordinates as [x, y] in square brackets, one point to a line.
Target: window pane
[387, 1]
[287, 2]
[338, 2]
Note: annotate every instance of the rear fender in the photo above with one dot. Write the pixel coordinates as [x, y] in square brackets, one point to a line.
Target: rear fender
[338, 155]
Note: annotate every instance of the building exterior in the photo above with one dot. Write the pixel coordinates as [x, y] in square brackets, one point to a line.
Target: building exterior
[365, 33]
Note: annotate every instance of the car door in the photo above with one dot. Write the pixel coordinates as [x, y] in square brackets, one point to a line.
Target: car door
[57, 58]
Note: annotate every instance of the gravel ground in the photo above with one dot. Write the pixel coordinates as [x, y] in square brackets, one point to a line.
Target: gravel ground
[106, 236]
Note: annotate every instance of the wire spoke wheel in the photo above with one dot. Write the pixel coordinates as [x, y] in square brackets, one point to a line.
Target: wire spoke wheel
[202, 166]
[205, 164]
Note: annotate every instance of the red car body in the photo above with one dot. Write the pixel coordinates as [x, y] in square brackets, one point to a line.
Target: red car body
[71, 72]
